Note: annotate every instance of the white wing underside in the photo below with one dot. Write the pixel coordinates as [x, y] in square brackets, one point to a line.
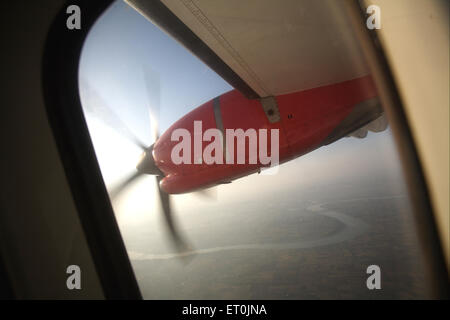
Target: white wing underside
[277, 49]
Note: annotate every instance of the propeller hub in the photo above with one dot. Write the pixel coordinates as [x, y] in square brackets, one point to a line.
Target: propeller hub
[147, 164]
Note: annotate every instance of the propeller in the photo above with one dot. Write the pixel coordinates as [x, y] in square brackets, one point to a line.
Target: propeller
[99, 109]
[207, 193]
[146, 164]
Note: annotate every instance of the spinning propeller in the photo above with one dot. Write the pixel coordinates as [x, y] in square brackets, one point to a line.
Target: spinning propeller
[146, 164]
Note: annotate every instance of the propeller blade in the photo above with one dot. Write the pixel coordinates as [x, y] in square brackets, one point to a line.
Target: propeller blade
[97, 107]
[152, 85]
[147, 164]
[210, 194]
[154, 128]
[178, 241]
[124, 184]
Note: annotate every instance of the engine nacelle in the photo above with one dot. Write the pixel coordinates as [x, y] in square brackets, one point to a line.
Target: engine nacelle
[303, 120]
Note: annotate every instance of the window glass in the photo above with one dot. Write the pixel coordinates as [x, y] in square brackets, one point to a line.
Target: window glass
[310, 231]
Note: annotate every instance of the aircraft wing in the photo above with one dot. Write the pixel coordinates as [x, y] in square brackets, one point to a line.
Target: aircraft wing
[284, 46]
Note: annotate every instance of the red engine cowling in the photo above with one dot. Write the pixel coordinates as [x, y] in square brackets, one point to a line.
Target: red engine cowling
[307, 118]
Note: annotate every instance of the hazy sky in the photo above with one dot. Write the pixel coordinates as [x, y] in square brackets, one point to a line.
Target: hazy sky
[123, 44]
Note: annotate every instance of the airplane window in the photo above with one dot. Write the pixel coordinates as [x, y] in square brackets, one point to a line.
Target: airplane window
[324, 224]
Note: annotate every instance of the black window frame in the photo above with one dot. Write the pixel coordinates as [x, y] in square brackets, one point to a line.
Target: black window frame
[61, 95]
